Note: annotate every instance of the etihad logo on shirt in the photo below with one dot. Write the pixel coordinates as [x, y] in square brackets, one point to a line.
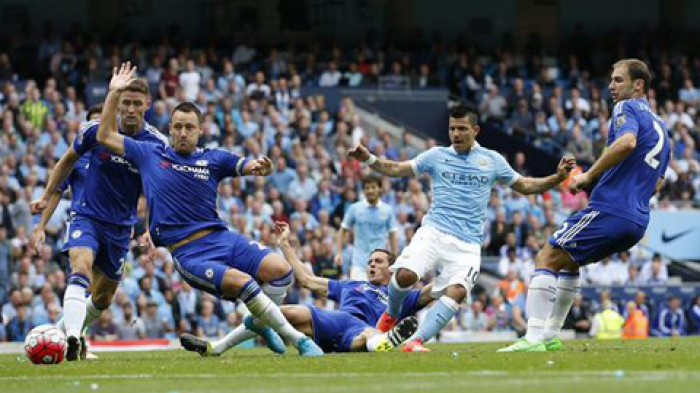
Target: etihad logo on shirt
[104, 157]
[199, 172]
[465, 179]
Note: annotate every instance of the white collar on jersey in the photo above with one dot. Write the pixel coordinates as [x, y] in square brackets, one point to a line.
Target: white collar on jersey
[475, 146]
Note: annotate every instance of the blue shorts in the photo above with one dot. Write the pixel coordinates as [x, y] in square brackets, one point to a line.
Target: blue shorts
[204, 262]
[109, 243]
[591, 235]
[334, 331]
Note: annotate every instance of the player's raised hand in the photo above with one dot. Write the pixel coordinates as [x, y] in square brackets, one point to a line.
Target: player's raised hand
[282, 232]
[261, 167]
[38, 239]
[122, 76]
[339, 259]
[579, 182]
[38, 205]
[566, 165]
[146, 243]
[360, 153]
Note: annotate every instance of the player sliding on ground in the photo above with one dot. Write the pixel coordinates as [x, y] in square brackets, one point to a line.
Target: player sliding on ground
[449, 240]
[351, 327]
[630, 171]
[180, 184]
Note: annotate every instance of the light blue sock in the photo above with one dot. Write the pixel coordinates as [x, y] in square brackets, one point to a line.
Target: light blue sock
[396, 297]
[439, 315]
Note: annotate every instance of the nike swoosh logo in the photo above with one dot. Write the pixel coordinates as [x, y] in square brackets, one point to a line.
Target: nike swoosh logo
[667, 239]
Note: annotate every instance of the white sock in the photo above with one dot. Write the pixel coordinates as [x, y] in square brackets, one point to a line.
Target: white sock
[374, 341]
[61, 324]
[231, 339]
[568, 287]
[93, 313]
[74, 304]
[540, 300]
[268, 313]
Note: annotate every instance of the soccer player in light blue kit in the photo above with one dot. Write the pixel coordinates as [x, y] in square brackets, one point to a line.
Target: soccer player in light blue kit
[449, 240]
[629, 172]
[372, 223]
[101, 229]
[180, 184]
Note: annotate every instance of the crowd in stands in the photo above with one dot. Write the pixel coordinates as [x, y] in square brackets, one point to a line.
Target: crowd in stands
[253, 104]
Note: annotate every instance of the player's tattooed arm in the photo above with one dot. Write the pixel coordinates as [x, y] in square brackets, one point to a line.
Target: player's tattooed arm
[381, 165]
[534, 185]
[306, 278]
[108, 131]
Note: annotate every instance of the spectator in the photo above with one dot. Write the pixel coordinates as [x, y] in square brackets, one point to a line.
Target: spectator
[579, 317]
[474, 319]
[636, 323]
[671, 321]
[132, 327]
[607, 324]
[20, 325]
[105, 329]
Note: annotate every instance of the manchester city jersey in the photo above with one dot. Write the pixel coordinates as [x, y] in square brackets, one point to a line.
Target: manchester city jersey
[461, 185]
[625, 189]
[371, 226]
[112, 185]
[181, 190]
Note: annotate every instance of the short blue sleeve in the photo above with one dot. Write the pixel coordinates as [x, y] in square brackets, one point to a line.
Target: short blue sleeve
[335, 290]
[349, 218]
[504, 173]
[625, 119]
[410, 304]
[137, 151]
[229, 164]
[424, 162]
[87, 138]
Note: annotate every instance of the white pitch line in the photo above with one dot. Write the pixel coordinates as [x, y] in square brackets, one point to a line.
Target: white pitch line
[637, 375]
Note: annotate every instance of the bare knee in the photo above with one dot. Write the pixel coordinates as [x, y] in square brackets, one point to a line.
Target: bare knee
[554, 259]
[273, 267]
[103, 293]
[406, 278]
[457, 293]
[233, 283]
[81, 260]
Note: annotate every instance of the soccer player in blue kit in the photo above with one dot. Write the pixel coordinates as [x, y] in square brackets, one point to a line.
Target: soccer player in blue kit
[449, 239]
[103, 217]
[180, 184]
[629, 172]
[351, 328]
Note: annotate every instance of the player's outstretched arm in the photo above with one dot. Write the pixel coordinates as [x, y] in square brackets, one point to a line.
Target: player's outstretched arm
[39, 235]
[306, 279]
[381, 165]
[612, 156]
[534, 185]
[259, 167]
[59, 174]
[108, 131]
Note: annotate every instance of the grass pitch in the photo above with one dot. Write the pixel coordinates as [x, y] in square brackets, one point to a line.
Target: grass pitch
[657, 365]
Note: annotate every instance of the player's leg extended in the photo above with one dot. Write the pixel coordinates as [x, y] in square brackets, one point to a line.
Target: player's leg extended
[237, 284]
[74, 299]
[549, 298]
[439, 315]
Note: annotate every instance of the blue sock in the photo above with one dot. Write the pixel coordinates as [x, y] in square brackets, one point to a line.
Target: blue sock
[439, 315]
[396, 297]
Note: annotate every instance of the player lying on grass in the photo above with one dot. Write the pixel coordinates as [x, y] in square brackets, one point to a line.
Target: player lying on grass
[351, 327]
[180, 184]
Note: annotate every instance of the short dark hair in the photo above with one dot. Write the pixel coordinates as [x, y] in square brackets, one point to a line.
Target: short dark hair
[461, 111]
[139, 85]
[94, 110]
[372, 178]
[637, 70]
[188, 107]
[390, 255]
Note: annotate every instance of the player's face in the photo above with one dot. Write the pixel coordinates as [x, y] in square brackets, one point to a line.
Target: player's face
[462, 133]
[378, 271]
[621, 85]
[372, 191]
[132, 107]
[184, 131]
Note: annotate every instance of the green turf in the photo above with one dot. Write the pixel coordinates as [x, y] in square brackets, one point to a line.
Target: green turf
[665, 366]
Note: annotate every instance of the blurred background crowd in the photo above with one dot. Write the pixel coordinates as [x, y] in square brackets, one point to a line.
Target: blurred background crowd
[254, 104]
